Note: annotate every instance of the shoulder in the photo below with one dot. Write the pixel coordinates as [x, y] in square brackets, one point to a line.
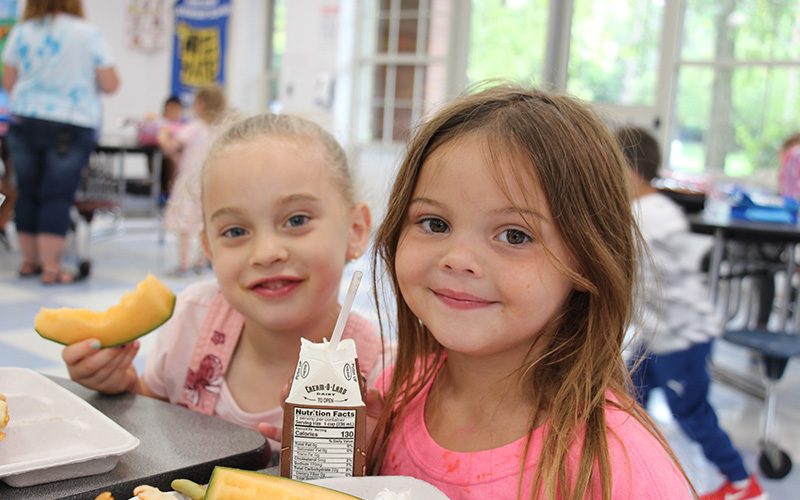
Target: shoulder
[191, 307]
[656, 202]
[641, 467]
[659, 216]
[78, 25]
[201, 293]
[190, 130]
[368, 342]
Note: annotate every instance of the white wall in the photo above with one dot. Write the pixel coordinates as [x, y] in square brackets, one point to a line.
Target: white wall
[146, 76]
[319, 47]
[310, 63]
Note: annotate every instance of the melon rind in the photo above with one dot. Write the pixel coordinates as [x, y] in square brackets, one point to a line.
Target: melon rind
[227, 483]
[138, 313]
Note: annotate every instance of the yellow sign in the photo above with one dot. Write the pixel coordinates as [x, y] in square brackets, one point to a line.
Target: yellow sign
[200, 50]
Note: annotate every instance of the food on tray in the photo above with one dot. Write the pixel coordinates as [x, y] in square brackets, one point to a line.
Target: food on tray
[145, 492]
[235, 484]
[106, 495]
[139, 312]
[3, 415]
[189, 488]
[387, 494]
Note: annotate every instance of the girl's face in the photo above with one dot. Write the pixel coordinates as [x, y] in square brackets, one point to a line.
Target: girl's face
[278, 232]
[467, 262]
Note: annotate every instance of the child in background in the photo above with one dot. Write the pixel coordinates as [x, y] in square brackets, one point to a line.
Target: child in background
[679, 323]
[172, 121]
[280, 222]
[511, 247]
[789, 176]
[188, 147]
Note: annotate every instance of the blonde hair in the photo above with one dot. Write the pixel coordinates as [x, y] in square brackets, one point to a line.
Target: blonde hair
[571, 154]
[290, 128]
[214, 103]
[37, 9]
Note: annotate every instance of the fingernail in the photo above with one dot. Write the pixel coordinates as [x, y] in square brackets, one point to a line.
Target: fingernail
[95, 344]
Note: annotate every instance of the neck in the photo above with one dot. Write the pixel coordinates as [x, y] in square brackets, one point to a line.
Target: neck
[279, 345]
[488, 381]
[642, 188]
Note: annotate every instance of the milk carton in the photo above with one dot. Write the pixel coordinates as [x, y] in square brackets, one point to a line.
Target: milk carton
[324, 420]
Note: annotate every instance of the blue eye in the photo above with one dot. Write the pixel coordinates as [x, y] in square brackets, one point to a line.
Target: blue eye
[514, 237]
[234, 232]
[297, 220]
[434, 225]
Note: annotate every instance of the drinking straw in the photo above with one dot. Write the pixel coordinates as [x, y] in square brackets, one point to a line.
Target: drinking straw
[348, 303]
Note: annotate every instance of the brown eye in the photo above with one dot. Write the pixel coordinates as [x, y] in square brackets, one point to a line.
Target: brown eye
[434, 225]
[514, 237]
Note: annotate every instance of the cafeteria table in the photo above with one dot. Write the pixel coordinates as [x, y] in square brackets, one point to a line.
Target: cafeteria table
[750, 232]
[174, 443]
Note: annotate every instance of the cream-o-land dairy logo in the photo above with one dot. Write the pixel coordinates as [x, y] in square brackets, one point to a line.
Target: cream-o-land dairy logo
[326, 376]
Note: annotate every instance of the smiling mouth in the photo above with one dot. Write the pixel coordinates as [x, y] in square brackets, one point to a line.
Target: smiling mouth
[276, 284]
[275, 287]
[458, 300]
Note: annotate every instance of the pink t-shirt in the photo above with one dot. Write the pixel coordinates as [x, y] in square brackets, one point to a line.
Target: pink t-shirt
[641, 468]
[168, 360]
[789, 177]
[184, 213]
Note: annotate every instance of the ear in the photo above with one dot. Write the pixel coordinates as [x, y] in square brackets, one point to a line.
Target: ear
[206, 246]
[360, 225]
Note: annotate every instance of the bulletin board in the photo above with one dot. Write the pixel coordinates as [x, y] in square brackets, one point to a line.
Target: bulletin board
[199, 45]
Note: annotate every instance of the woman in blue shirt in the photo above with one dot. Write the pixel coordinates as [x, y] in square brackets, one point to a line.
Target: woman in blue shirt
[55, 65]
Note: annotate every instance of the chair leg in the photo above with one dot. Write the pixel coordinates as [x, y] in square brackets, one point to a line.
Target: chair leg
[773, 461]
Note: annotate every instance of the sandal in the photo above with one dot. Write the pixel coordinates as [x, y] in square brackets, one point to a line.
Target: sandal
[28, 269]
[59, 278]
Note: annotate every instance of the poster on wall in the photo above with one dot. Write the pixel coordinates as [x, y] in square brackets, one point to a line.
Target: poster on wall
[144, 25]
[199, 43]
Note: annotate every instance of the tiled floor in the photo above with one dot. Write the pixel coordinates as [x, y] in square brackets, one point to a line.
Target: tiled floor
[121, 260]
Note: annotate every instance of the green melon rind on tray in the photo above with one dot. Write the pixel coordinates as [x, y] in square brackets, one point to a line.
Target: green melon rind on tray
[122, 341]
[281, 487]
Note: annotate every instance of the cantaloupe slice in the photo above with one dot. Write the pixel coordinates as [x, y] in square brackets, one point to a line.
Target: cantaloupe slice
[3, 415]
[236, 484]
[138, 313]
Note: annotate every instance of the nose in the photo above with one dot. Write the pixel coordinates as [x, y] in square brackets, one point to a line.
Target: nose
[268, 249]
[461, 256]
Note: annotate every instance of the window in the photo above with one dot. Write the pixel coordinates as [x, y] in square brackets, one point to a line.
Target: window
[276, 47]
[737, 86]
[508, 39]
[614, 51]
[403, 65]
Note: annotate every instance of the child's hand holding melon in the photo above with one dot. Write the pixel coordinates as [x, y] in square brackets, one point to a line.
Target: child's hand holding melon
[85, 332]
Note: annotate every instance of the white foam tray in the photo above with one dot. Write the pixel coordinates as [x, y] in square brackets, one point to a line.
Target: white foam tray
[53, 434]
[367, 487]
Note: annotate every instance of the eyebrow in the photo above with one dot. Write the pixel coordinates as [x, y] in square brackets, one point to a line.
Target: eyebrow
[283, 201]
[499, 211]
[297, 197]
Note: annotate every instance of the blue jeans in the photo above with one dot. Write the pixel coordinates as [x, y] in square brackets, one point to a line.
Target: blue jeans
[683, 375]
[48, 158]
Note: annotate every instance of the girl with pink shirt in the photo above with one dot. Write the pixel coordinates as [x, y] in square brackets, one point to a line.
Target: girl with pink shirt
[280, 221]
[187, 145]
[511, 247]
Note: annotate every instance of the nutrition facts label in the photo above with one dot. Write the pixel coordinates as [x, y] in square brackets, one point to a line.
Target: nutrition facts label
[323, 442]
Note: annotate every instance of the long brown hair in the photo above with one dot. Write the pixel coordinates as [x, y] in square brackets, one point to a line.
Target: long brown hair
[37, 9]
[571, 154]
